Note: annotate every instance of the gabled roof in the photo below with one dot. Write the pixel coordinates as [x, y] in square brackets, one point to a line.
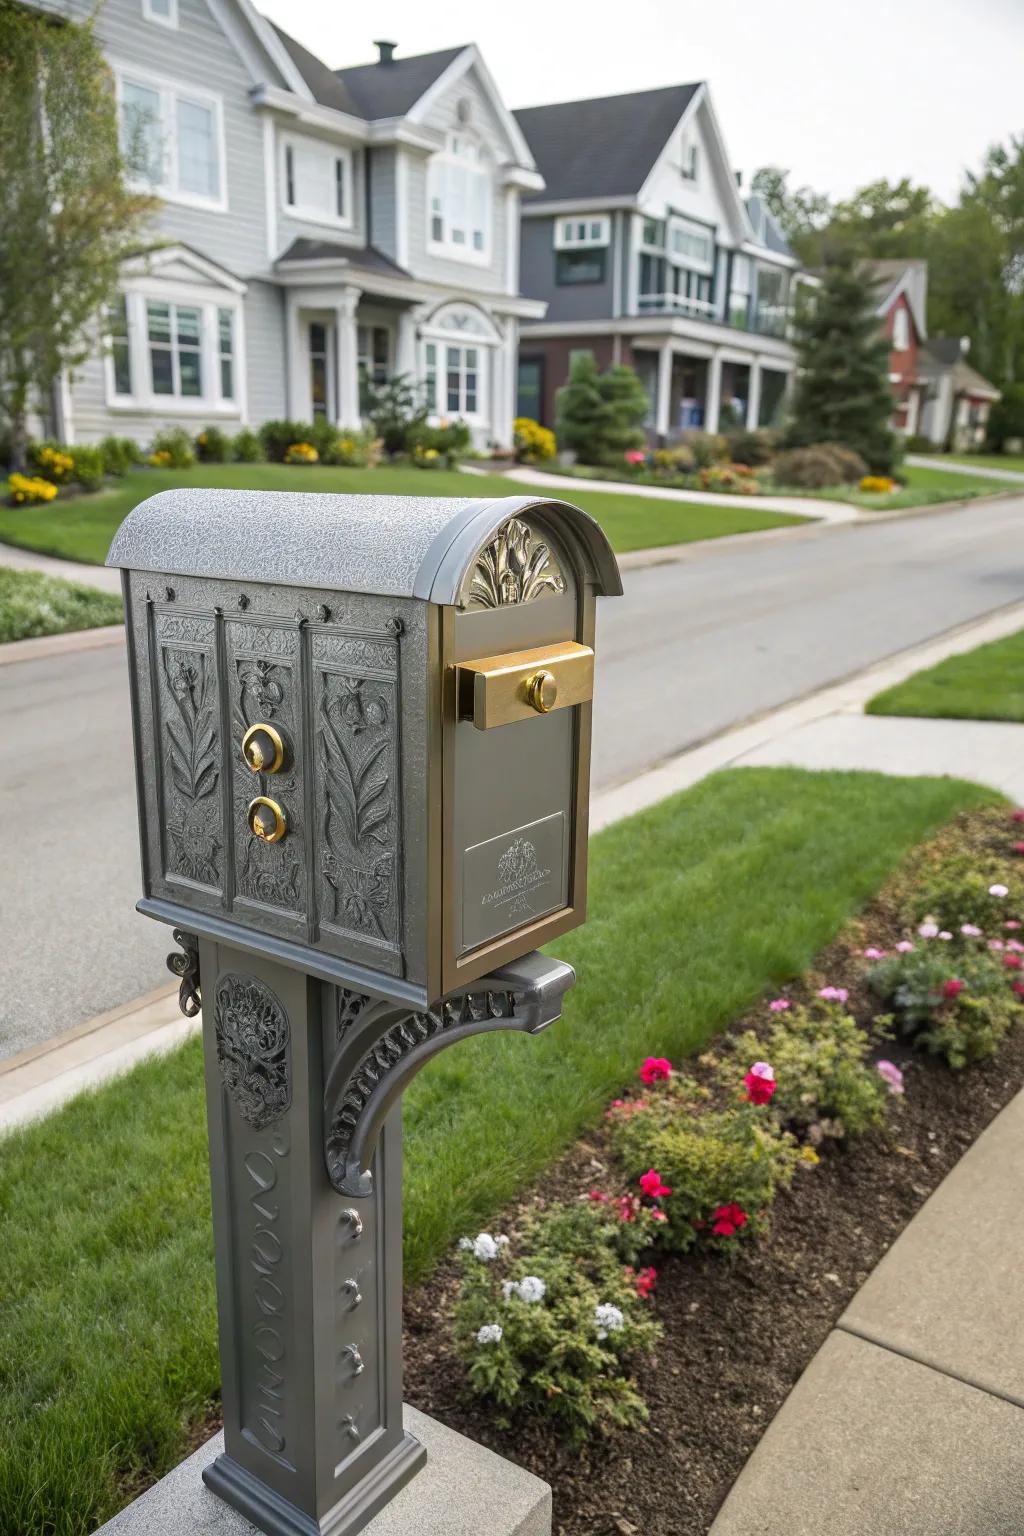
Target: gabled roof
[365, 257]
[325, 86]
[947, 355]
[392, 90]
[907, 275]
[603, 147]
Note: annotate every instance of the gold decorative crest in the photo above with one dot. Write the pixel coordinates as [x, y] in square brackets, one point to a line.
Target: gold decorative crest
[515, 567]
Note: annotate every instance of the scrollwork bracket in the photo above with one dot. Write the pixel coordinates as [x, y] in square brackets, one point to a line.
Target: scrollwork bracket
[185, 965]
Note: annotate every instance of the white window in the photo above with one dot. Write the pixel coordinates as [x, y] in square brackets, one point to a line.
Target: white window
[692, 245]
[163, 11]
[459, 201]
[316, 181]
[173, 140]
[174, 355]
[453, 379]
[689, 161]
[573, 234]
[900, 330]
[374, 353]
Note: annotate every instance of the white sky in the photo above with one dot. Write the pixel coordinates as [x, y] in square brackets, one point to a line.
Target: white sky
[840, 92]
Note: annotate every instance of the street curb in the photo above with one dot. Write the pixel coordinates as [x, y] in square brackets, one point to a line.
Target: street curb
[40, 646]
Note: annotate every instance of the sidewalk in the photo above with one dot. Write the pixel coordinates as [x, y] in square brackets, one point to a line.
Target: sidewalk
[909, 1421]
[68, 570]
[983, 470]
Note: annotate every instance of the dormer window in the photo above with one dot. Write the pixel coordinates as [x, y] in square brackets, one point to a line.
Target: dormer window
[689, 163]
[577, 234]
[459, 201]
[316, 181]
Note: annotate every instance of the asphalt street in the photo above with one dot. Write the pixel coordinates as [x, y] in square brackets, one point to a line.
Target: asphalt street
[690, 649]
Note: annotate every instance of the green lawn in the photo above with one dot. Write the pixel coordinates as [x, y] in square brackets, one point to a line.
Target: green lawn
[1014, 462]
[924, 487]
[82, 528]
[983, 684]
[107, 1327]
[31, 605]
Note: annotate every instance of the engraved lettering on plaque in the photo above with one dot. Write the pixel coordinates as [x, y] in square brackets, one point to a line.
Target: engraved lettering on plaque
[513, 879]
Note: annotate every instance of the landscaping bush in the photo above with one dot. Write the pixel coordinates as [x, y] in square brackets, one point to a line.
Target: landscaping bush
[301, 453]
[30, 490]
[825, 1084]
[600, 415]
[213, 446]
[438, 447]
[967, 888]
[394, 409]
[172, 449]
[53, 461]
[120, 454]
[246, 447]
[755, 448]
[355, 450]
[1005, 418]
[737, 479]
[707, 448]
[87, 466]
[533, 443]
[547, 1326]
[278, 436]
[32, 604]
[956, 1005]
[812, 469]
[679, 460]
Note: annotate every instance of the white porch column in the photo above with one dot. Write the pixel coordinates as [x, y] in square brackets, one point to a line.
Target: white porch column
[663, 401]
[347, 342]
[913, 411]
[713, 399]
[754, 395]
[506, 371]
[296, 361]
[405, 346]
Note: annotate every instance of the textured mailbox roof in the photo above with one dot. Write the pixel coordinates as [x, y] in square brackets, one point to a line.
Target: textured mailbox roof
[399, 546]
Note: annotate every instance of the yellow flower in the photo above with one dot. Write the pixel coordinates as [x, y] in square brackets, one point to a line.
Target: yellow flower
[809, 1156]
[879, 485]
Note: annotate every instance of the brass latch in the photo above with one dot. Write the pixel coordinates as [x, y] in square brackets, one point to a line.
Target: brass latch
[497, 690]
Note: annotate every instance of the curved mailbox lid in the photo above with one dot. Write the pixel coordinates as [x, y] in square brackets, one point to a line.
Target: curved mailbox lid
[397, 546]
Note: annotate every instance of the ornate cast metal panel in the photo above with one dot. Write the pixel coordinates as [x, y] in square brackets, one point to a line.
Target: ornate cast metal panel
[185, 684]
[253, 1048]
[517, 566]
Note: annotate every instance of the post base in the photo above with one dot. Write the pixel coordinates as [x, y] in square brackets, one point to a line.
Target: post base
[278, 1517]
[463, 1490]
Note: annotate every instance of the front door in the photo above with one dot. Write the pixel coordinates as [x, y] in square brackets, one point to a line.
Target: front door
[530, 389]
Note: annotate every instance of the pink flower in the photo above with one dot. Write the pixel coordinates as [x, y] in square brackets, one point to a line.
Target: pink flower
[1018, 987]
[655, 1069]
[645, 1280]
[952, 988]
[892, 1075]
[1017, 815]
[970, 930]
[904, 947]
[653, 1188]
[1014, 946]
[945, 937]
[1011, 923]
[727, 1220]
[834, 994]
[929, 930]
[658, 1216]
[598, 1196]
[760, 1083]
[1012, 962]
[1018, 847]
[873, 953]
[629, 1208]
[995, 944]
[779, 1004]
[635, 456]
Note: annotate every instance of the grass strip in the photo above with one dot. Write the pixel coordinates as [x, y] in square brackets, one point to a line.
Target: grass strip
[32, 604]
[984, 684]
[108, 1353]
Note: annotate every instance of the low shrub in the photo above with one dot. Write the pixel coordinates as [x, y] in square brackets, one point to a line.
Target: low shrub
[213, 446]
[707, 448]
[548, 1323]
[735, 479]
[679, 460]
[817, 467]
[87, 466]
[120, 454]
[278, 436]
[533, 443]
[959, 1005]
[301, 453]
[355, 450]
[825, 1083]
[246, 447]
[394, 409]
[172, 449]
[30, 490]
[439, 447]
[53, 462]
[967, 888]
[756, 448]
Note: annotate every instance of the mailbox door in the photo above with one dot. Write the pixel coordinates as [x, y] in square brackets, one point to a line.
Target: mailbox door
[516, 773]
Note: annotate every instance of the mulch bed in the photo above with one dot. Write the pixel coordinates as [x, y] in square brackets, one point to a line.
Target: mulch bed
[739, 1331]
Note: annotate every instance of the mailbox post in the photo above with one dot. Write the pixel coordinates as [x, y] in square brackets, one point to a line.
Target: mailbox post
[362, 742]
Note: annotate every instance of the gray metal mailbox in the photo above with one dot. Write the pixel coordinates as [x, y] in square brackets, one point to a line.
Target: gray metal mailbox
[362, 741]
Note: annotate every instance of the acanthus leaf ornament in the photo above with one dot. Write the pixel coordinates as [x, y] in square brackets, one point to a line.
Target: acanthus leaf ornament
[253, 1039]
[515, 567]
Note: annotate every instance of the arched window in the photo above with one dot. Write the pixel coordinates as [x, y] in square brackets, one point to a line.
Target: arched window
[460, 201]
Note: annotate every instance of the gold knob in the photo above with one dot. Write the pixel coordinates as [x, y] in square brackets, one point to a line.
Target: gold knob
[541, 692]
[263, 749]
[266, 820]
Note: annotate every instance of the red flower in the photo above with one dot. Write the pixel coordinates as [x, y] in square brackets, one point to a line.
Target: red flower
[759, 1088]
[629, 1208]
[952, 987]
[1018, 987]
[597, 1196]
[1017, 815]
[645, 1281]
[1012, 962]
[1018, 847]
[655, 1069]
[658, 1216]
[727, 1220]
[653, 1188]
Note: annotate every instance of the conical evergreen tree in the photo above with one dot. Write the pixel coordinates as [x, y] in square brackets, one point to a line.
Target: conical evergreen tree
[842, 391]
[600, 415]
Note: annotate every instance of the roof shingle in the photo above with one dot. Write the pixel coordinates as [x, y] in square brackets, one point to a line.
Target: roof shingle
[392, 90]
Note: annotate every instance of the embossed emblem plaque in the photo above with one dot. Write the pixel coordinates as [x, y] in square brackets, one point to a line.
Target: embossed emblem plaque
[509, 880]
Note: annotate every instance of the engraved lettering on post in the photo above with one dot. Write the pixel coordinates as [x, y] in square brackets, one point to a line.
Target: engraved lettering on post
[253, 1048]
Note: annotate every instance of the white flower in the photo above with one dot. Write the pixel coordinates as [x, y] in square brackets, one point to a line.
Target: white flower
[970, 930]
[945, 936]
[484, 1246]
[490, 1333]
[508, 1287]
[929, 930]
[607, 1319]
[530, 1288]
[999, 890]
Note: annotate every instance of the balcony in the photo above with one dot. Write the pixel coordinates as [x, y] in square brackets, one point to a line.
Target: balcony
[762, 319]
[675, 304]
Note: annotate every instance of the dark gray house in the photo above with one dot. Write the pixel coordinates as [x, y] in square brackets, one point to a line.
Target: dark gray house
[645, 252]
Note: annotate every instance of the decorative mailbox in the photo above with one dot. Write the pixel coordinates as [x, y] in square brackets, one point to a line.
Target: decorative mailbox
[362, 742]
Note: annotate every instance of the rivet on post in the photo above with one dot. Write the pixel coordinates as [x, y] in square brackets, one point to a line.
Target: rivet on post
[350, 1352]
[351, 1295]
[354, 1221]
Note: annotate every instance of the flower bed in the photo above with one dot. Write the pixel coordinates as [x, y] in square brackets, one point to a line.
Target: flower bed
[739, 1314]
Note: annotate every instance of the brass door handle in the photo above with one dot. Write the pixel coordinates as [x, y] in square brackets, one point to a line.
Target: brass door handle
[519, 685]
[266, 820]
[542, 692]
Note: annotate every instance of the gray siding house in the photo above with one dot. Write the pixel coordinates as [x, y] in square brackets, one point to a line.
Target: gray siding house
[312, 224]
[645, 253]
